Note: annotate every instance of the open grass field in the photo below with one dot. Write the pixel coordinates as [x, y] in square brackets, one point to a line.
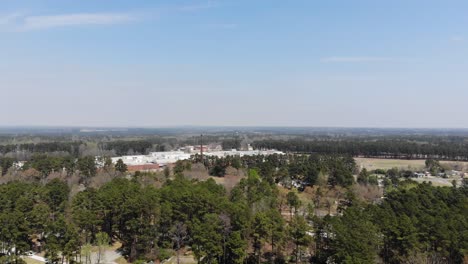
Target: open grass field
[372, 164]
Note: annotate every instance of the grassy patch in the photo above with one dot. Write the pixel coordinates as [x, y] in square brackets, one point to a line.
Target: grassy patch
[32, 261]
[121, 260]
[386, 164]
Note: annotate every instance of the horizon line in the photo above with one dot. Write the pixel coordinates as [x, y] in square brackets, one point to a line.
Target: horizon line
[224, 126]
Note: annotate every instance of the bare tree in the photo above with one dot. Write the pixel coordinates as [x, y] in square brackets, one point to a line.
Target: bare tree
[102, 241]
[179, 235]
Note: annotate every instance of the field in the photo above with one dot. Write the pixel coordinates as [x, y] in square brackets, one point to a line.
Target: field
[414, 165]
[372, 164]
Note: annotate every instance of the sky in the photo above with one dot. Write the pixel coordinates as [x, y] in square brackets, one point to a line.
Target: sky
[150, 63]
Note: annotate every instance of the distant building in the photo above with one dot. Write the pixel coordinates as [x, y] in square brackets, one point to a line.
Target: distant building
[164, 158]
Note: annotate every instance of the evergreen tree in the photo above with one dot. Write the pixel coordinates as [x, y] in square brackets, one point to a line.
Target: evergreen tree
[120, 166]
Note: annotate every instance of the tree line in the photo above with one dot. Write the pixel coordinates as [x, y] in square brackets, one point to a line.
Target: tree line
[44, 147]
[398, 148]
[126, 147]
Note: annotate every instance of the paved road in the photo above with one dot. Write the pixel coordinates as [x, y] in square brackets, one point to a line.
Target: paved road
[109, 257]
[38, 258]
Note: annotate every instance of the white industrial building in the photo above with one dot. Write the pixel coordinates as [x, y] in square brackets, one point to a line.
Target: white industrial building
[161, 158]
[168, 157]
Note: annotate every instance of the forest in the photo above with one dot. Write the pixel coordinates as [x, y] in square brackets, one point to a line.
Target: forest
[442, 148]
[155, 216]
[395, 146]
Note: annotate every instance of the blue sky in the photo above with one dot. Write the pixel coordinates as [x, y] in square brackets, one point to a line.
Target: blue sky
[350, 63]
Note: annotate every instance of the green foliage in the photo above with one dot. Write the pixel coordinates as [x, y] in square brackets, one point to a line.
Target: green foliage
[237, 248]
[424, 219]
[207, 238]
[363, 177]
[87, 167]
[341, 174]
[56, 194]
[219, 167]
[304, 169]
[102, 242]
[414, 221]
[45, 164]
[293, 201]
[164, 254]
[228, 144]
[71, 148]
[373, 180]
[14, 231]
[87, 213]
[380, 171]
[355, 237]
[167, 172]
[298, 231]
[180, 166]
[120, 166]
[434, 166]
[125, 147]
[5, 165]
[400, 147]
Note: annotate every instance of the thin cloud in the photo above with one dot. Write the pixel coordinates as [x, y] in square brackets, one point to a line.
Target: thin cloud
[357, 59]
[18, 22]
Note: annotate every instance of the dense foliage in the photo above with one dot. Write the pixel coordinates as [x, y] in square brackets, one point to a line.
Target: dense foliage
[247, 224]
[454, 148]
[125, 147]
[304, 170]
[424, 220]
[43, 147]
[228, 144]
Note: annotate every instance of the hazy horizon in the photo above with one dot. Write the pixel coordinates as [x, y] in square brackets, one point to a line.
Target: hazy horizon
[356, 64]
[226, 126]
